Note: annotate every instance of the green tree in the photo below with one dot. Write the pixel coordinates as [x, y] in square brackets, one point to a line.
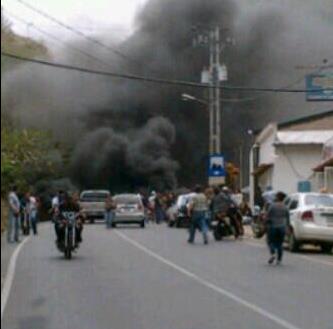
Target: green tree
[27, 156]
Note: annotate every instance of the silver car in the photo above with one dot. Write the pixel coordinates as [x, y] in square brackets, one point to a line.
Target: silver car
[311, 220]
[129, 210]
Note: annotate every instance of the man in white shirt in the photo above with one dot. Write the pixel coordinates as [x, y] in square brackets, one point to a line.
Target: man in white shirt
[14, 216]
[198, 208]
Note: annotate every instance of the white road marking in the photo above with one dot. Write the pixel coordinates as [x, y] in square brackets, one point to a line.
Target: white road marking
[274, 318]
[8, 283]
[308, 258]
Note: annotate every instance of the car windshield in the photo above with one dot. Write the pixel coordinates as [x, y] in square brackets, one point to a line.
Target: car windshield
[94, 197]
[127, 200]
[319, 200]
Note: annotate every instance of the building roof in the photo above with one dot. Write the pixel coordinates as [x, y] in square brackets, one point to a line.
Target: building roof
[300, 120]
[311, 137]
[309, 118]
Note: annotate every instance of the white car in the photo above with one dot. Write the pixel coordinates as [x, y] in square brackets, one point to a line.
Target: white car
[129, 210]
[311, 220]
[92, 204]
[180, 217]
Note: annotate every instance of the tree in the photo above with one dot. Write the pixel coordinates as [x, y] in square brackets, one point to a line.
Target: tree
[27, 156]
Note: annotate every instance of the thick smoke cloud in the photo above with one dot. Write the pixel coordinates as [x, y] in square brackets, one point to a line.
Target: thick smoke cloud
[105, 158]
[93, 113]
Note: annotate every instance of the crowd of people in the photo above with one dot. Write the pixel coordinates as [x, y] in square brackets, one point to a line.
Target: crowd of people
[23, 215]
[205, 206]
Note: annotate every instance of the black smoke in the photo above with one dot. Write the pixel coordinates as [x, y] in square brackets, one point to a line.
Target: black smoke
[105, 158]
[108, 122]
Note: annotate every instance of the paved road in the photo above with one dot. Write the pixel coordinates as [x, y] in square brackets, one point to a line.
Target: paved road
[151, 279]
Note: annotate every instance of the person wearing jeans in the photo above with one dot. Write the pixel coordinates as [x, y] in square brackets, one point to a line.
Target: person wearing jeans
[276, 236]
[32, 211]
[278, 219]
[14, 216]
[109, 212]
[198, 208]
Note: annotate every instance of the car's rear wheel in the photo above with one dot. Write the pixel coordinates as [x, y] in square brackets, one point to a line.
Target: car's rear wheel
[143, 224]
[113, 225]
[326, 248]
[294, 245]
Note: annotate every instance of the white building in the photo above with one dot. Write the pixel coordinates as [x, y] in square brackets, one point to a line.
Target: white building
[285, 155]
[324, 170]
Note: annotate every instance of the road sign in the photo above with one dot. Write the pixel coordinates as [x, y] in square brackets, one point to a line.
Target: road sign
[216, 169]
[317, 85]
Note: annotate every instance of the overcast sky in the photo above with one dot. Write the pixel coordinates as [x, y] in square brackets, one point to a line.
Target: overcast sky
[89, 16]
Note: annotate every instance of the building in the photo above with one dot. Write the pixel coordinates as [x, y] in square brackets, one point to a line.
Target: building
[288, 156]
[324, 170]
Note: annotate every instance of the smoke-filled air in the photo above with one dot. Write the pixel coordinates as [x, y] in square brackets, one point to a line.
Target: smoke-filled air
[127, 134]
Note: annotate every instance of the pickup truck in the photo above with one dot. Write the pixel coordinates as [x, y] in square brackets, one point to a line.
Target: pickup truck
[92, 204]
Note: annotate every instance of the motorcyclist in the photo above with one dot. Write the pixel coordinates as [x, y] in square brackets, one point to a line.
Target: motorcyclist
[69, 207]
[233, 213]
[219, 205]
[223, 206]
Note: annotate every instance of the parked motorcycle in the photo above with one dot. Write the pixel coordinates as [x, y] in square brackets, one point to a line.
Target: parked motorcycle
[258, 223]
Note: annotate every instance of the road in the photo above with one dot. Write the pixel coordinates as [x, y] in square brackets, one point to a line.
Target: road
[152, 279]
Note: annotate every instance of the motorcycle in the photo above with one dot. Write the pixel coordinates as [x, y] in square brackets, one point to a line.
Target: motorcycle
[258, 224]
[68, 244]
[222, 227]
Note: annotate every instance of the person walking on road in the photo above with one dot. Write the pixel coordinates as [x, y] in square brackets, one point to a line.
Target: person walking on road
[198, 208]
[109, 212]
[14, 216]
[278, 219]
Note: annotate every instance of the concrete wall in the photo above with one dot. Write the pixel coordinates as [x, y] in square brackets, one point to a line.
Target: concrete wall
[266, 179]
[294, 164]
[267, 150]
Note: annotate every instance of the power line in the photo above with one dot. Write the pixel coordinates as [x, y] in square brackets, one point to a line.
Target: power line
[49, 35]
[157, 80]
[79, 33]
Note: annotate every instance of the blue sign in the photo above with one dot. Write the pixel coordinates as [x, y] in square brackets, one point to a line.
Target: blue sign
[320, 87]
[216, 166]
[304, 187]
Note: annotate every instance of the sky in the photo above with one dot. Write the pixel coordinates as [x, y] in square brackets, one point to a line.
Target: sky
[89, 16]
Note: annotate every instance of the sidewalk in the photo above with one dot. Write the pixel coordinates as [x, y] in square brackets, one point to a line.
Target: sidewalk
[7, 251]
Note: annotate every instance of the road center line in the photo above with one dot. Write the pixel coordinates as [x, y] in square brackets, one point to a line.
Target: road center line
[281, 322]
[8, 283]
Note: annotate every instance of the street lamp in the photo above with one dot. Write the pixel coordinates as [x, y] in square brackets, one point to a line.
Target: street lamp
[190, 98]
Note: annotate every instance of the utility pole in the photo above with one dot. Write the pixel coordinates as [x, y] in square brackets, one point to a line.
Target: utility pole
[216, 73]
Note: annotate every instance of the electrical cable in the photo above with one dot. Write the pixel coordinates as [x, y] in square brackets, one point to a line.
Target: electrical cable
[49, 35]
[158, 80]
[79, 33]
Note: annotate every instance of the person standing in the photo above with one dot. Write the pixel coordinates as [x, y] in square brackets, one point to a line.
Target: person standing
[109, 211]
[278, 221]
[198, 208]
[25, 214]
[158, 208]
[32, 209]
[14, 216]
